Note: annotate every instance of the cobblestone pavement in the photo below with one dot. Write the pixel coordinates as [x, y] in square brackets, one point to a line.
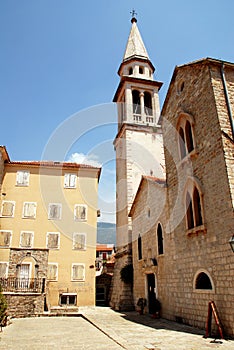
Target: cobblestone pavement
[102, 328]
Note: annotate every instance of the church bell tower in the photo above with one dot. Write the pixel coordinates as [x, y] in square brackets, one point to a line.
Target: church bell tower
[138, 146]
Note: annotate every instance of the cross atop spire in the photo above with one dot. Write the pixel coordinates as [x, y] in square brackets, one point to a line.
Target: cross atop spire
[134, 14]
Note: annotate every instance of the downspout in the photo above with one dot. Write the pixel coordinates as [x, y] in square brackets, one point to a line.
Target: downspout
[227, 100]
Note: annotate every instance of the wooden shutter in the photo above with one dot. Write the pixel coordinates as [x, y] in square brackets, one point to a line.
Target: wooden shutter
[52, 271]
[7, 208]
[79, 241]
[5, 238]
[3, 269]
[78, 272]
[26, 239]
[53, 240]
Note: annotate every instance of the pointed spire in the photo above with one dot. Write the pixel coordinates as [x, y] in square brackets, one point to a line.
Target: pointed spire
[135, 46]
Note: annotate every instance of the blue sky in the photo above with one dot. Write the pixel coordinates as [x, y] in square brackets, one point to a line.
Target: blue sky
[60, 58]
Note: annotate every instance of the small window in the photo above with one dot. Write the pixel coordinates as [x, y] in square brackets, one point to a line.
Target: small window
[5, 239]
[29, 210]
[78, 272]
[22, 178]
[160, 239]
[203, 281]
[185, 135]
[70, 180]
[53, 240]
[139, 247]
[130, 71]
[26, 239]
[141, 70]
[79, 241]
[68, 299]
[52, 273]
[3, 269]
[55, 211]
[8, 208]
[80, 212]
[193, 208]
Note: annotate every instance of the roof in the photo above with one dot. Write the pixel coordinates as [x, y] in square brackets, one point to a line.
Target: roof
[104, 247]
[5, 154]
[207, 60]
[145, 178]
[135, 46]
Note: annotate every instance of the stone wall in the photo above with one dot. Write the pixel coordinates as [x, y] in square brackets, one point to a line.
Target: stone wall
[25, 304]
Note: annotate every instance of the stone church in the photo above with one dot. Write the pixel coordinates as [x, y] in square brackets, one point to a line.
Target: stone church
[175, 188]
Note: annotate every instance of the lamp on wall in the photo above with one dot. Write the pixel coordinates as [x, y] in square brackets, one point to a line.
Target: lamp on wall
[232, 243]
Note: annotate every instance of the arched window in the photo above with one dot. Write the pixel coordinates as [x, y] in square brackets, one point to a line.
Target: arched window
[139, 245]
[148, 103]
[193, 207]
[160, 239]
[185, 134]
[141, 70]
[130, 71]
[136, 102]
[203, 281]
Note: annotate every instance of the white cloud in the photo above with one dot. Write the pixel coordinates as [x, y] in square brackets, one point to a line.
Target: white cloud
[81, 158]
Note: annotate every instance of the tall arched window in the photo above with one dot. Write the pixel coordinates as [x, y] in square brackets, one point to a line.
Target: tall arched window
[136, 102]
[160, 239]
[193, 207]
[139, 246]
[148, 103]
[185, 134]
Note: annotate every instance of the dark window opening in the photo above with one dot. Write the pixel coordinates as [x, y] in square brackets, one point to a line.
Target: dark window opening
[141, 70]
[189, 136]
[203, 281]
[130, 72]
[182, 144]
[68, 299]
[160, 239]
[136, 102]
[139, 248]
[190, 220]
[197, 207]
[148, 103]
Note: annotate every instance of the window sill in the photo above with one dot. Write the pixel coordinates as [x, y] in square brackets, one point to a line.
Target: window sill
[196, 230]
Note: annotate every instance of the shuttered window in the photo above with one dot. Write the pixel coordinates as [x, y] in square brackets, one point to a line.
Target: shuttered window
[80, 212]
[53, 240]
[52, 274]
[78, 272]
[79, 241]
[70, 180]
[5, 239]
[29, 210]
[8, 208]
[22, 178]
[55, 211]
[26, 239]
[3, 269]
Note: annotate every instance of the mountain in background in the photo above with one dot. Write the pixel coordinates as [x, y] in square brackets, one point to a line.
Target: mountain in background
[106, 233]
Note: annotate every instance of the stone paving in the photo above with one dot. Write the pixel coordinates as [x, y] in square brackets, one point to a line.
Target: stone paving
[102, 328]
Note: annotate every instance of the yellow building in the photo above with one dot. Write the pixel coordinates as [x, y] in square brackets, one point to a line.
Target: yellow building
[48, 226]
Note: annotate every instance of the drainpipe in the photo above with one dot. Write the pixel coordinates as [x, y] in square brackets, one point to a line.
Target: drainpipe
[227, 99]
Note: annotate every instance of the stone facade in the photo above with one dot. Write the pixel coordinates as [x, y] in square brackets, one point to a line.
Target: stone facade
[192, 251]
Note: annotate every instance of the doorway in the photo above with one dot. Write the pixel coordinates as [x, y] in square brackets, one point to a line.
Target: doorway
[151, 292]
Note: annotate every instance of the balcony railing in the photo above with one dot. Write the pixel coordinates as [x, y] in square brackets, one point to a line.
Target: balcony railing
[23, 285]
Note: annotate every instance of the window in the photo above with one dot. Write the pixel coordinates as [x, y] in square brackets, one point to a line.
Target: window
[78, 272]
[5, 239]
[136, 102]
[8, 208]
[52, 273]
[80, 212]
[141, 70]
[22, 178]
[160, 239]
[68, 299]
[185, 134]
[70, 180]
[3, 269]
[203, 281]
[55, 211]
[53, 240]
[26, 239]
[130, 71]
[79, 241]
[29, 210]
[148, 103]
[139, 244]
[193, 208]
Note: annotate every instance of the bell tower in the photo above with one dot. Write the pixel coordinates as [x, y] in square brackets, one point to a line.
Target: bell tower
[138, 146]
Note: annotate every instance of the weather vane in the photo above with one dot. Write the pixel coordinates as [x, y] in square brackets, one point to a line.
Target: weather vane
[133, 13]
